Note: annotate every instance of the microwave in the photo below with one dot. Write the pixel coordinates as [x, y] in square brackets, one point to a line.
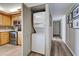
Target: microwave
[17, 25]
[16, 22]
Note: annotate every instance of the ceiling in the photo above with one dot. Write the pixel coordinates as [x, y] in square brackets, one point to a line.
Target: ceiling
[55, 8]
[60, 8]
[33, 4]
[10, 7]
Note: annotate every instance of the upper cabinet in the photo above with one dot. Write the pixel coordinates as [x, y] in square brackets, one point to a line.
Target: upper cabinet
[16, 18]
[8, 20]
[5, 20]
[0, 19]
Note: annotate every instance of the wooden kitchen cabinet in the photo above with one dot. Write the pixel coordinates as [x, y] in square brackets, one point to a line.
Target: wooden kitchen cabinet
[16, 17]
[4, 38]
[6, 20]
[0, 19]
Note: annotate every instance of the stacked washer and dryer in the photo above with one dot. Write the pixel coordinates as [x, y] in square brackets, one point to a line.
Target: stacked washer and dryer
[38, 38]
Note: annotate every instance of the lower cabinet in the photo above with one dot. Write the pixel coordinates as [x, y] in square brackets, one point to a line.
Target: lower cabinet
[4, 38]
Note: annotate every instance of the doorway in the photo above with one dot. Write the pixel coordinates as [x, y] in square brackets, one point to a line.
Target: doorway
[57, 29]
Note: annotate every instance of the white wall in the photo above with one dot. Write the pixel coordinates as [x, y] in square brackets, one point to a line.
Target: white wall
[72, 38]
[63, 28]
[48, 31]
[27, 30]
[77, 42]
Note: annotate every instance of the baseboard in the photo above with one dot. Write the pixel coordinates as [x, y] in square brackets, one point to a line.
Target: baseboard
[38, 53]
[70, 49]
[34, 52]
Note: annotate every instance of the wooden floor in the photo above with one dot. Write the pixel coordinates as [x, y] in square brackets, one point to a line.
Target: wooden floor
[10, 50]
[58, 48]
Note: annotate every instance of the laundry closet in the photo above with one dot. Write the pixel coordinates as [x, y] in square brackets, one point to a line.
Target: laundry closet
[36, 29]
[39, 26]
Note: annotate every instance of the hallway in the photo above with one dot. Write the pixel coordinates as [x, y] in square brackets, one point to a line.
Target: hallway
[59, 48]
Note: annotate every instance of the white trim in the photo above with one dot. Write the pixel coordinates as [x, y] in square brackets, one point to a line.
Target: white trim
[70, 50]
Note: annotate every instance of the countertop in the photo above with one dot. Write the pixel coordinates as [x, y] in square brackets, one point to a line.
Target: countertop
[8, 30]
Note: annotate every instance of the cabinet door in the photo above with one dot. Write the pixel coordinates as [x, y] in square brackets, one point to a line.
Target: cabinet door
[4, 37]
[0, 19]
[6, 20]
[16, 18]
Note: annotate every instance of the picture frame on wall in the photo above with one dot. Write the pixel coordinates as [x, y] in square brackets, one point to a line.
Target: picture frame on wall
[69, 18]
[76, 24]
[76, 12]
